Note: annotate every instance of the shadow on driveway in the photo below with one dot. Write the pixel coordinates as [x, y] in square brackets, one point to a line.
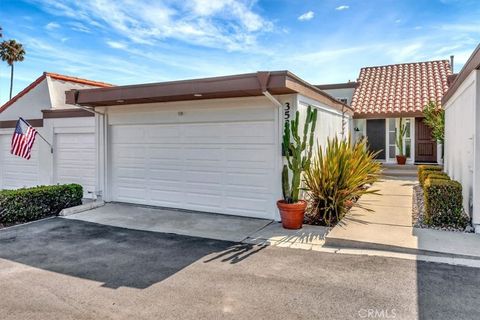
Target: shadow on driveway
[111, 255]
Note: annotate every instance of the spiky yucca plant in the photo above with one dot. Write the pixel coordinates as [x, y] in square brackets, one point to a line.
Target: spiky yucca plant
[338, 175]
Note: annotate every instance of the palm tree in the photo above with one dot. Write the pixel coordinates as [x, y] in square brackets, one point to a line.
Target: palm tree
[11, 51]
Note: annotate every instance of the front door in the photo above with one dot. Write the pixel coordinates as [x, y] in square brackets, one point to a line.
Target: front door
[376, 136]
[425, 146]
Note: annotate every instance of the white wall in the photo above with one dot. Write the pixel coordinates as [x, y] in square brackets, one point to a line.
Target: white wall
[329, 120]
[30, 105]
[462, 149]
[57, 90]
[341, 93]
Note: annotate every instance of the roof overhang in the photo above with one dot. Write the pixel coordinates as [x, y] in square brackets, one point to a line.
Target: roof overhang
[243, 85]
[473, 63]
[345, 85]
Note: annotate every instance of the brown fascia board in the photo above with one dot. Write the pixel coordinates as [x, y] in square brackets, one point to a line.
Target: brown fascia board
[345, 85]
[37, 123]
[473, 63]
[243, 85]
[66, 113]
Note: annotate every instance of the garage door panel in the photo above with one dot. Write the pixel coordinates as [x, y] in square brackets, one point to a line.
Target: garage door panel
[75, 160]
[161, 134]
[16, 172]
[257, 132]
[209, 166]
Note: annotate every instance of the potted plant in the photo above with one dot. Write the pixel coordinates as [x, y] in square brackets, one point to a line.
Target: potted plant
[401, 158]
[298, 152]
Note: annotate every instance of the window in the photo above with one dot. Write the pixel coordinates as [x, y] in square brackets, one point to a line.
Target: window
[407, 140]
[392, 135]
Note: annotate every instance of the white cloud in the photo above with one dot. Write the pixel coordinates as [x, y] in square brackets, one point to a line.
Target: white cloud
[52, 25]
[307, 16]
[342, 7]
[228, 24]
[116, 44]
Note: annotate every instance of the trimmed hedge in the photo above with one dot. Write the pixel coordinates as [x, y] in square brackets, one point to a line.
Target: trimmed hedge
[425, 173]
[23, 205]
[443, 203]
[437, 176]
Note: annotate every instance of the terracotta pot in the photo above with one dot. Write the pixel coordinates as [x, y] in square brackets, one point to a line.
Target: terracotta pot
[292, 213]
[401, 160]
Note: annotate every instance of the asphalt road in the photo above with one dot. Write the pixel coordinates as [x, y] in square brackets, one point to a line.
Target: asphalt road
[67, 269]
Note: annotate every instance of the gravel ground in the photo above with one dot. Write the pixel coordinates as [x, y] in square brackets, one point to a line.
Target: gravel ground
[419, 210]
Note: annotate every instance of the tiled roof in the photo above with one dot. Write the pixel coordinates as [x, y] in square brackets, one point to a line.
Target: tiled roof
[400, 88]
[54, 76]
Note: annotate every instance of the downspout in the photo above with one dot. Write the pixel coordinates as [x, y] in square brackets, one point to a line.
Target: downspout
[263, 77]
[100, 144]
[75, 97]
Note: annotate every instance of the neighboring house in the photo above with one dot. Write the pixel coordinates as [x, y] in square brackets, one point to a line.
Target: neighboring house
[69, 129]
[341, 91]
[209, 144]
[462, 134]
[384, 94]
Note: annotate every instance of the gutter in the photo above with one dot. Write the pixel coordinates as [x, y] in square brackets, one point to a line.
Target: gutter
[72, 97]
[263, 77]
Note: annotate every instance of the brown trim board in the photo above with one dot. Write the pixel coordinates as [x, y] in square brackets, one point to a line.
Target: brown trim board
[37, 123]
[345, 85]
[243, 85]
[66, 113]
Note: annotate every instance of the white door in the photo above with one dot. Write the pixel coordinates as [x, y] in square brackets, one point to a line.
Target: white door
[16, 172]
[224, 167]
[75, 160]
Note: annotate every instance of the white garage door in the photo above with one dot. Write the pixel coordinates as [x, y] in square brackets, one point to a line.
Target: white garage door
[16, 172]
[225, 167]
[75, 160]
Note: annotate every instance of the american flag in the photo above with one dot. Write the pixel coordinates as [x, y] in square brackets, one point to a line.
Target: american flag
[23, 139]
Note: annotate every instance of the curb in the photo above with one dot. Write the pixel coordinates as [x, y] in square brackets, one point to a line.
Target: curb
[81, 208]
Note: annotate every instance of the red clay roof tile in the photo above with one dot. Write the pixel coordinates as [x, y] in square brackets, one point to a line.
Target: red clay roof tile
[400, 88]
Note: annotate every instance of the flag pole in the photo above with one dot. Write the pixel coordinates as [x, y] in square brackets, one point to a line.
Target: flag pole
[28, 124]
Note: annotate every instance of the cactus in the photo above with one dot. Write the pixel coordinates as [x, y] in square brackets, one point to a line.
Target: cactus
[297, 152]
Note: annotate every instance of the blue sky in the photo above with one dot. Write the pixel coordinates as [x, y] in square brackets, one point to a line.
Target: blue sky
[322, 41]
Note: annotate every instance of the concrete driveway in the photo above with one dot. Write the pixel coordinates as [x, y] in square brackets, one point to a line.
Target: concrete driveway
[183, 222]
[71, 269]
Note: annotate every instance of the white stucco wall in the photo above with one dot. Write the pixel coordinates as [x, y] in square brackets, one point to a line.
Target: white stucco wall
[57, 90]
[30, 105]
[462, 145]
[329, 120]
[341, 93]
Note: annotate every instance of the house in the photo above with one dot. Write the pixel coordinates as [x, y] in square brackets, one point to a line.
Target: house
[383, 95]
[462, 134]
[211, 144]
[70, 130]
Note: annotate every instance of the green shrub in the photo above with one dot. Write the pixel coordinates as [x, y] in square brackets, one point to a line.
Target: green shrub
[336, 178]
[427, 167]
[427, 172]
[23, 205]
[436, 175]
[443, 204]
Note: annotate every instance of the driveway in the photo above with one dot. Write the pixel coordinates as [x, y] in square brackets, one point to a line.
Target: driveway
[70, 269]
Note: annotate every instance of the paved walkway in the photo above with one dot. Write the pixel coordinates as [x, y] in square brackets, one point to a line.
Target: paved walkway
[385, 223]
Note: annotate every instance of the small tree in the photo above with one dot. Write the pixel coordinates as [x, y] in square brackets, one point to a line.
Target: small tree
[435, 119]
